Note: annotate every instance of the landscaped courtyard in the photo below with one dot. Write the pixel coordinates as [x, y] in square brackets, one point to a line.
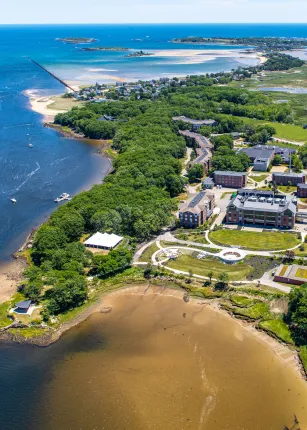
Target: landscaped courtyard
[202, 267]
[262, 240]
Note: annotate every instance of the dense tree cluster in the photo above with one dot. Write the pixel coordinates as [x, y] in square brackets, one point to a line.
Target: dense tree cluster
[278, 61]
[297, 313]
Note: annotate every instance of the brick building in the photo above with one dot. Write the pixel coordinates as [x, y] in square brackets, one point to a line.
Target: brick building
[230, 179]
[197, 210]
[302, 190]
[261, 208]
[287, 178]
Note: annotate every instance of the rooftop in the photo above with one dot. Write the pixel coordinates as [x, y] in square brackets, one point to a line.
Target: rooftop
[103, 240]
[290, 174]
[197, 203]
[229, 173]
[259, 202]
[194, 121]
[259, 152]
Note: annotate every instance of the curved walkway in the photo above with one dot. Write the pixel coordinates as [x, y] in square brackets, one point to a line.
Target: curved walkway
[264, 280]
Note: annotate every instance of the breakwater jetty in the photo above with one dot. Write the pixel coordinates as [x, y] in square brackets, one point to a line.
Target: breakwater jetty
[52, 74]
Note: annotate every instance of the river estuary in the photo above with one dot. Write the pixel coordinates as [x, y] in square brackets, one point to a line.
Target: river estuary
[153, 362]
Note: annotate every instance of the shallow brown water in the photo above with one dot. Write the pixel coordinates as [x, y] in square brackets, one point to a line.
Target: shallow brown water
[156, 362]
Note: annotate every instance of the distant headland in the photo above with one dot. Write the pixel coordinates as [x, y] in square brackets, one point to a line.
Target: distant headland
[265, 44]
[76, 40]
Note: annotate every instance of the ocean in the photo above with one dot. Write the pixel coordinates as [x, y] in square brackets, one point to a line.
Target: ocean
[34, 177]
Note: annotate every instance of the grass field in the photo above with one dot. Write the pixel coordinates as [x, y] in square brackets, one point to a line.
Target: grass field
[242, 301]
[147, 254]
[204, 266]
[287, 189]
[259, 178]
[290, 132]
[264, 240]
[60, 103]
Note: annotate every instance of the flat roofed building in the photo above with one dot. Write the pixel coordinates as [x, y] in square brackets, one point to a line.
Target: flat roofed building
[302, 190]
[195, 123]
[103, 241]
[197, 210]
[293, 274]
[258, 208]
[230, 179]
[260, 156]
[287, 178]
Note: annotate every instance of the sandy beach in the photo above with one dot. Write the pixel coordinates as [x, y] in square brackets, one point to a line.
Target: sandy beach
[11, 274]
[40, 105]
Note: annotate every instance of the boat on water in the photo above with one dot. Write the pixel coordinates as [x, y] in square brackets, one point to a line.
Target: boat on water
[63, 196]
[30, 145]
[13, 200]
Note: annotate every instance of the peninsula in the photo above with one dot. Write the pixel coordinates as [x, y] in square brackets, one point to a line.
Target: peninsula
[265, 44]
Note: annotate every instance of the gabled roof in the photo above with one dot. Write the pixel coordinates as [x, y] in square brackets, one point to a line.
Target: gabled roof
[24, 304]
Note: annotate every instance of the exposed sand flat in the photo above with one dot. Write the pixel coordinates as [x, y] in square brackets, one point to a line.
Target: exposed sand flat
[11, 274]
[40, 105]
[195, 56]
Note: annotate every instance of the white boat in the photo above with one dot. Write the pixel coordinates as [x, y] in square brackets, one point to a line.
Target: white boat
[13, 200]
[30, 145]
[63, 196]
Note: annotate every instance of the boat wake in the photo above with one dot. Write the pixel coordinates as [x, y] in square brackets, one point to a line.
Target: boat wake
[29, 176]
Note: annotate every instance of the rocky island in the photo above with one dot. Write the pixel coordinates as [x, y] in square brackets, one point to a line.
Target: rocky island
[139, 54]
[105, 48]
[76, 40]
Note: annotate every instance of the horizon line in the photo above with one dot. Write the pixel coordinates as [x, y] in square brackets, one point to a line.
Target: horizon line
[154, 23]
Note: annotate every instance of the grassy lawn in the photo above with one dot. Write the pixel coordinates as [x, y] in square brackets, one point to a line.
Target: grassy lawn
[287, 189]
[278, 328]
[290, 132]
[147, 254]
[60, 103]
[192, 236]
[264, 240]
[259, 178]
[4, 320]
[203, 266]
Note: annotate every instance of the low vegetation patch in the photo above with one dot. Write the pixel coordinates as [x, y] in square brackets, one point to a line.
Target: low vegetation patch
[303, 357]
[260, 265]
[258, 311]
[278, 328]
[301, 273]
[242, 301]
[264, 240]
[283, 270]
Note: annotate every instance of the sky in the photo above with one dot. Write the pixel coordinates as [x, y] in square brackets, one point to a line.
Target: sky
[152, 11]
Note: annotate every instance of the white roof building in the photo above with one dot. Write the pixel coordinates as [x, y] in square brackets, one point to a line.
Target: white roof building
[103, 241]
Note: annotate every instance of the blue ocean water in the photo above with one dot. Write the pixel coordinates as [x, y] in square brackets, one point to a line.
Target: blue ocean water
[55, 165]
